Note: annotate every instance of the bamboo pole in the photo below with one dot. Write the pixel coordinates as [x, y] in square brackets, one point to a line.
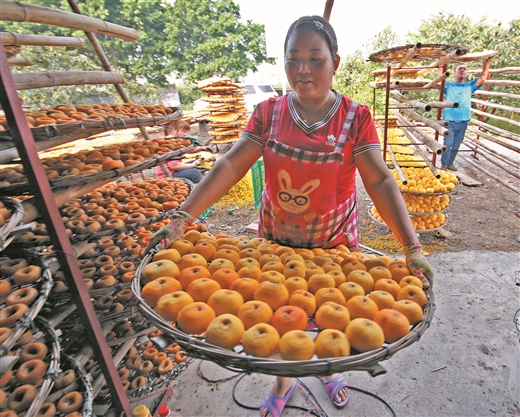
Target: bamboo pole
[441, 61]
[493, 139]
[425, 139]
[500, 180]
[407, 57]
[438, 126]
[105, 63]
[443, 104]
[480, 144]
[30, 80]
[496, 130]
[496, 105]
[19, 61]
[505, 70]
[415, 103]
[503, 119]
[437, 80]
[498, 94]
[17, 12]
[400, 172]
[9, 38]
[506, 83]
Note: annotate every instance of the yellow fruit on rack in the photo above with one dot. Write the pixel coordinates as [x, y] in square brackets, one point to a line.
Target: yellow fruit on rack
[195, 318]
[296, 345]
[361, 306]
[395, 325]
[410, 309]
[225, 301]
[157, 269]
[412, 293]
[254, 312]
[331, 343]
[261, 340]
[303, 299]
[273, 293]
[169, 305]
[155, 289]
[332, 315]
[364, 335]
[225, 331]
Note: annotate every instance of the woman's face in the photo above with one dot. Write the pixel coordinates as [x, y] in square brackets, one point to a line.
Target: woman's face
[309, 64]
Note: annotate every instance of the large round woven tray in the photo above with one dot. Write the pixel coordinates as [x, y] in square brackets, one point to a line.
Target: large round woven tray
[80, 180]
[197, 347]
[411, 214]
[425, 52]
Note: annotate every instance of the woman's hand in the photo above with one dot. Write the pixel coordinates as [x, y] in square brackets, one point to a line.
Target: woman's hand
[171, 232]
[417, 263]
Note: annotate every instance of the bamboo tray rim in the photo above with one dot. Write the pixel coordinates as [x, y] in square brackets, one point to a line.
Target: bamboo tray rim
[229, 359]
[426, 51]
[60, 183]
[97, 126]
[411, 214]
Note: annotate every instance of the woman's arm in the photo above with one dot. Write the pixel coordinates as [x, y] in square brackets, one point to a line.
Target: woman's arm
[384, 192]
[227, 171]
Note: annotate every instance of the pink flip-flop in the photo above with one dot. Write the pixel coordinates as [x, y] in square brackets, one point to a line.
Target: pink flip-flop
[333, 387]
[275, 404]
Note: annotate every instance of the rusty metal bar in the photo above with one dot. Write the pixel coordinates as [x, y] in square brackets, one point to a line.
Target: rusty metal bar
[48, 209]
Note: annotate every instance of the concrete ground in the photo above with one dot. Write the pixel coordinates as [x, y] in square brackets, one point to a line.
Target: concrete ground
[459, 367]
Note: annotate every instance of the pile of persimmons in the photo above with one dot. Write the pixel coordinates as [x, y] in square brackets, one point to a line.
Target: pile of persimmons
[265, 296]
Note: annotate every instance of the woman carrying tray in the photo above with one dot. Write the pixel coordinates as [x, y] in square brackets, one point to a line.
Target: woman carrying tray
[312, 141]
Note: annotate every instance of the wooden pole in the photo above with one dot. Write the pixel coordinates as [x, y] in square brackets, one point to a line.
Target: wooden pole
[9, 38]
[437, 80]
[415, 103]
[503, 158]
[494, 139]
[506, 83]
[436, 125]
[498, 94]
[441, 61]
[496, 105]
[328, 9]
[19, 61]
[30, 80]
[17, 12]
[496, 130]
[400, 172]
[443, 104]
[104, 62]
[503, 119]
[500, 180]
[425, 139]
[406, 58]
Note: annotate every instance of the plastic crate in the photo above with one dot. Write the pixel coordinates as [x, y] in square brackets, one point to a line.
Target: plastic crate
[258, 174]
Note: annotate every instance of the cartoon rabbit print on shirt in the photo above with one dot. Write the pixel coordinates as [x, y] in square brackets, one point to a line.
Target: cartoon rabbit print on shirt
[290, 220]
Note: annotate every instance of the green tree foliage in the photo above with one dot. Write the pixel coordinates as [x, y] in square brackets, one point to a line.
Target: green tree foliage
[205, 38]
[354, 73]
[192, 39]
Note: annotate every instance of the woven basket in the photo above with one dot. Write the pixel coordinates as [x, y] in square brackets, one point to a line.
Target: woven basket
[426, 51]
[411, 214]
[52, 369]
[88, 128]
[197, 347]
[45, 285]
[16, 217]
[79, 180]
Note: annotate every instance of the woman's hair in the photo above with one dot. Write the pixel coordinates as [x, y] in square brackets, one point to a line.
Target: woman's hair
[316, 24]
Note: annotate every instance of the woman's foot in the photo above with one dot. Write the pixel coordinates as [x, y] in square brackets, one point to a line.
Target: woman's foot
[278, 397]
[337, 389]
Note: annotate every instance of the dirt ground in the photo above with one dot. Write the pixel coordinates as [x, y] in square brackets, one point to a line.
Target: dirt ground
[479, 218]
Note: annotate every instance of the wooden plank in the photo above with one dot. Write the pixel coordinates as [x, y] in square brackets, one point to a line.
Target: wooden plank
[17, 12]
[467, 180]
